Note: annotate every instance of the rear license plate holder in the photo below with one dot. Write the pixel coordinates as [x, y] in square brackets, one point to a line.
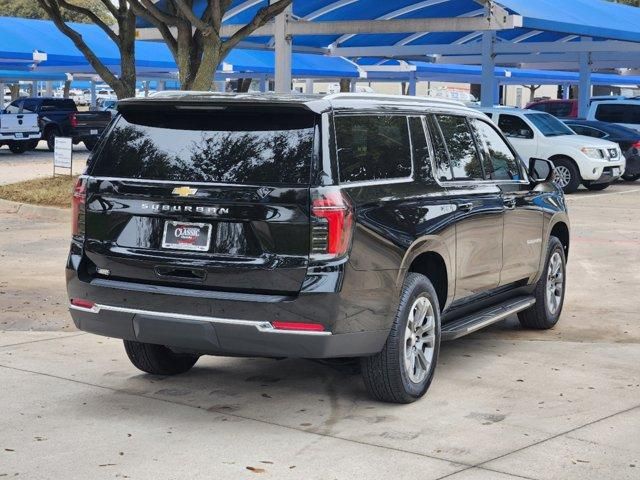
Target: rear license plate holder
[195, 237]
[94, 132]
[615, 172]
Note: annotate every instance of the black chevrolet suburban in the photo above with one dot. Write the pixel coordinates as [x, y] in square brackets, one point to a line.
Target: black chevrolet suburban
[349, 225]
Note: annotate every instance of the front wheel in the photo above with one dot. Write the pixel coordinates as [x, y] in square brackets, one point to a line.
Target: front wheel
[597, 187]
[90, 144]
[567, 175]
[404, 369]
[158, 359]
[549, 291]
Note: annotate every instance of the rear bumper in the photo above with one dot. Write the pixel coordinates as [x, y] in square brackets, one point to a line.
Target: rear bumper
[81, 134]
[356, 320]
[222, 336]
[10, 137]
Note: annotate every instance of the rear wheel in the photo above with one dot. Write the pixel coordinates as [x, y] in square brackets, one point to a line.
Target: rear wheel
[567, 175]
[404, 369]
[18, 147]
[549, 292]
[596, 187]
[158, 359]
[90, 144]
[50, 136]
[32, 144]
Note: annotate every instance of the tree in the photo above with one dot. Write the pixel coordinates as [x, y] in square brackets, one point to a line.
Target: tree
[30, 9]
[532, 91]
[125, 84]
[194, 40]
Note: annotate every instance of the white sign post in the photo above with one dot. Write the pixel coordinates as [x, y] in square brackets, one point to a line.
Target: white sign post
[63, 154]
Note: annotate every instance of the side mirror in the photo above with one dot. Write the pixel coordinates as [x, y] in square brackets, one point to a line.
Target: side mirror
[541, 170]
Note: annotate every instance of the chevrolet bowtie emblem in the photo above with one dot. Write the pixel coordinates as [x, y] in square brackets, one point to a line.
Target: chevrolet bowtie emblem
[184, 191]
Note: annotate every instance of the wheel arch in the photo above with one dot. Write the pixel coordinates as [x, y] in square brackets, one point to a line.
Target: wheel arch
[431, 258]
[560, 230]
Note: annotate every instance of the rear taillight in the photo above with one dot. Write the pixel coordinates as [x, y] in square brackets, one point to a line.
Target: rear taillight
[73, 119]
[636, 146]
[78, 206]
[332, 223]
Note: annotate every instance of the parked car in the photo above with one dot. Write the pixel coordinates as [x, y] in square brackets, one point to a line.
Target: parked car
[620, 112]
[18, 130]
[59, 117]
[108, 105]
[578, 159]
[627, 138]
[557, 108]
[351, 225]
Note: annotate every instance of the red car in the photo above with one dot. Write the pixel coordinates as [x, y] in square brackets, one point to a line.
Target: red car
[557, 108]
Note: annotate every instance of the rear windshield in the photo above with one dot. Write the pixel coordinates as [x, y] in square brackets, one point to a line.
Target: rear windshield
[209, 146]
[618, 113]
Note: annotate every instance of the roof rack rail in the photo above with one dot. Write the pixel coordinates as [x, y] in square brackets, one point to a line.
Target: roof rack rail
[396, 98]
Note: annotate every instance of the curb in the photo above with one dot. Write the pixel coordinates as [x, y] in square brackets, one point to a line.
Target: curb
[36, 211]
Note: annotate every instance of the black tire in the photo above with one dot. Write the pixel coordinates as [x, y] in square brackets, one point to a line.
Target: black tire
[90, 144]
[158, 359]
[385, 376]
[631, 178]
[50, 136]
[539, 316]
[18, 147]
[597, 187]
[574, 179]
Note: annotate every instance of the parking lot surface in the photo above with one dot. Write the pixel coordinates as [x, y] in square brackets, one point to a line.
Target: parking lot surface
[36, 163]
[506, 403]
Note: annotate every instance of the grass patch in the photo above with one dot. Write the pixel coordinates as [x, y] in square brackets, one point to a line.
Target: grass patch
[50, 191]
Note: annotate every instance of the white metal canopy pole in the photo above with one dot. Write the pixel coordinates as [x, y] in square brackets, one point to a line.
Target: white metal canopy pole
[92, 90]
[282, 43]
[584, 89]
[488, 83]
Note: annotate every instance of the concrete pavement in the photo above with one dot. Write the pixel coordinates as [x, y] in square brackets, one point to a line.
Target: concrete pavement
[506, 403]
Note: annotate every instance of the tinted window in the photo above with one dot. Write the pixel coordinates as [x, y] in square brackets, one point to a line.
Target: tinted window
[420, 148]
[30, 105]
[588, 131]
[204, 147]
[514, 127]
[559, 109]
[443, 170]
[618, 113]
[464, 160]
[498, 160]
[373, 147]
[59, 104]
[540, 107]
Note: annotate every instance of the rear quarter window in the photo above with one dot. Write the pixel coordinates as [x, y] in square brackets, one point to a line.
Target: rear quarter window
[373, 147]
[218, 147]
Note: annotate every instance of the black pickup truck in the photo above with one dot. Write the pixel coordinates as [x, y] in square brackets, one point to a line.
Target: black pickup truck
[59, 117]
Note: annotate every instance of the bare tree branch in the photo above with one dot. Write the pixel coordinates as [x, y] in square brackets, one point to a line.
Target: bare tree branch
[93, 17]
[195, 21]
[263, 16]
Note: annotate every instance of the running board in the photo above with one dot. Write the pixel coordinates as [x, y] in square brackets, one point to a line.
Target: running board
[484, 318]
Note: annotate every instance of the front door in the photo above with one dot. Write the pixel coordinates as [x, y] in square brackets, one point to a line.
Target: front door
[479, 204]
[523, 214]
[520, 134]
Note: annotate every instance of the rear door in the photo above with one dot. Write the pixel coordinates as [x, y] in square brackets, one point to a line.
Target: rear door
[479, 206]
[204, 198]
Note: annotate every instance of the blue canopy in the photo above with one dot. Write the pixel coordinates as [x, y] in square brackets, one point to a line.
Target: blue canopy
[26, 75]
[21, 37]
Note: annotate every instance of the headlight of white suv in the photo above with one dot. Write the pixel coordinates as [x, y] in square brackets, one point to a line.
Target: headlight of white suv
[595, 153]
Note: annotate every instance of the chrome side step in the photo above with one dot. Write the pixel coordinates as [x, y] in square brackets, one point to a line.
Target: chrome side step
[471, 323]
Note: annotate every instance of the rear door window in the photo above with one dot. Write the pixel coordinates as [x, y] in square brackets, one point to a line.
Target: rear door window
[463, 157]
[559, 109]
[15, 107]
[249, 147]
[373, 147]
[618, 113]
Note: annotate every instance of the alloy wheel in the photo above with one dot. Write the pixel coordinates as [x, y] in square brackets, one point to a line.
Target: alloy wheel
[562, 176]
[419, 340]
[555, 283]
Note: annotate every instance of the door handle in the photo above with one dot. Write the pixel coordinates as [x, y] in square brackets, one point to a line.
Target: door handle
[465, 207]
[509, 202]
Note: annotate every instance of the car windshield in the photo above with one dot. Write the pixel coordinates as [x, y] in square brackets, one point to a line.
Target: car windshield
[549, 125]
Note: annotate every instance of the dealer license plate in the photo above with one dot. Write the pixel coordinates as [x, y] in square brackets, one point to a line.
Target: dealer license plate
[616, 172]
[186, 236]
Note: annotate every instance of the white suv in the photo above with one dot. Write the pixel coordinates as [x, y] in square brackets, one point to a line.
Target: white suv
[578, 159]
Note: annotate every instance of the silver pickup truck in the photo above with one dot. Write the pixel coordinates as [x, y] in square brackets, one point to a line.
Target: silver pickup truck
[18, 130]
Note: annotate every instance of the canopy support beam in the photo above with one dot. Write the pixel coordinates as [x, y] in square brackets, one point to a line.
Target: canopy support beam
[489, 83]
[283, 52]
[584, 90]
